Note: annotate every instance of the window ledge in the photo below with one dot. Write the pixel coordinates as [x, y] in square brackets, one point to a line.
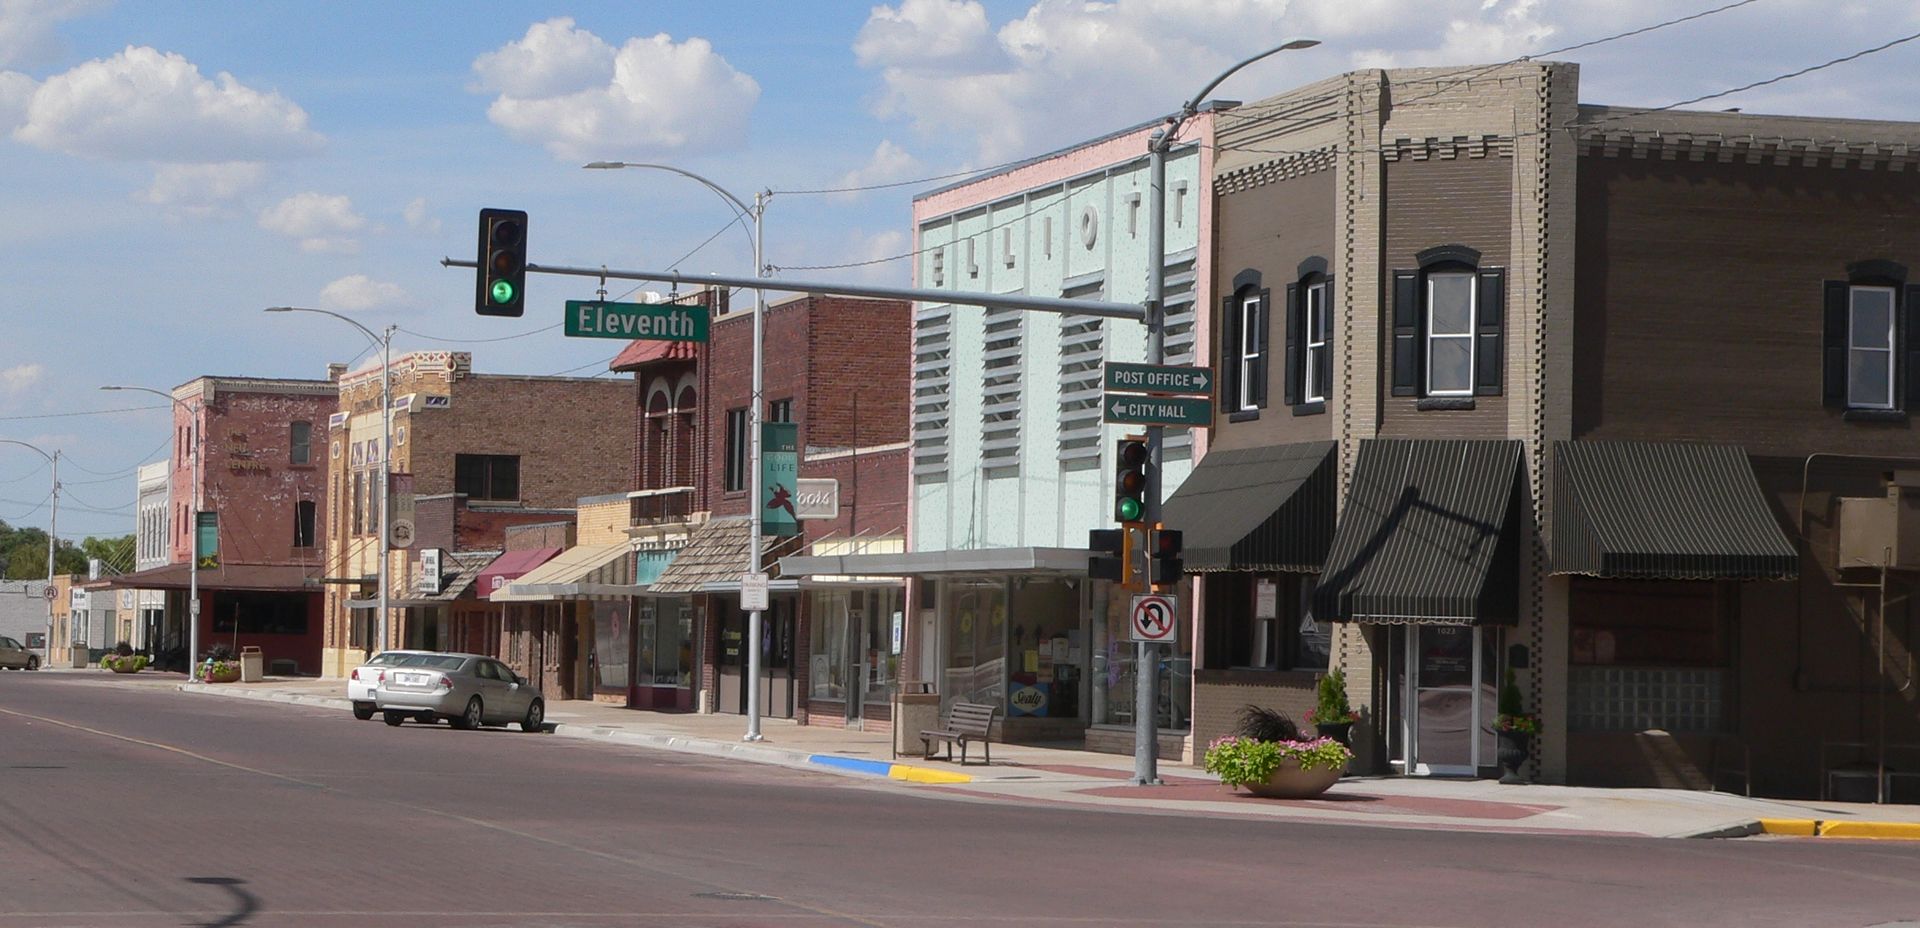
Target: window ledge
[1896, 416]
[1243, 415]
[1431, 403]
[1314, 408]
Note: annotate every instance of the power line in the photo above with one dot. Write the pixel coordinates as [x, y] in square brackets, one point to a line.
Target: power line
[479, 341]
[921, 180]
[90, 412]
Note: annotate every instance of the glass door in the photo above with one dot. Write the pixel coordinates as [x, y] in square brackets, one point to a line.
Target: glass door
[1443, 699]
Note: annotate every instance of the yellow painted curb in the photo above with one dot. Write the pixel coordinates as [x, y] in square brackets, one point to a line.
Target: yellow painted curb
[926, 775]
[1816, 828]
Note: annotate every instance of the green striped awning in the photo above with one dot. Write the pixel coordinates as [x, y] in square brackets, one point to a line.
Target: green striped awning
[1663, 510]
[1428, 535]
[1257, 509]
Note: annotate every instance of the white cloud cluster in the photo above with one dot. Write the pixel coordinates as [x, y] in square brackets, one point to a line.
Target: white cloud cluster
[321, 222]
[418, 217]
[27, 28]
[568, 90]
[146, 105]
[889, 163]
[20, 378]
[203, 189]
[359, 292]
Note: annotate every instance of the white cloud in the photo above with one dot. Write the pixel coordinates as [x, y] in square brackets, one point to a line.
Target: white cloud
[358, 292]
[925, 31]
[16, 91]
[889, 163]
[557, 90]
[20, 378]
[203, 189]
[418, 218]
[145, 105]
[321, 222]
[27, 28]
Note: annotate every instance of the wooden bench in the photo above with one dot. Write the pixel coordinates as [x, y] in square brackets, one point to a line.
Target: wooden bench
[965, 722]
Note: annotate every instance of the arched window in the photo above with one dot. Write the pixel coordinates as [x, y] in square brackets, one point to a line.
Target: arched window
[1448, 325]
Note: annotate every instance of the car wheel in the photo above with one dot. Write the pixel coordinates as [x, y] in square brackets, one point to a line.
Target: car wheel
[392, 718]
[33, 663]
[536, 718]
[470, 718]
[363, 710]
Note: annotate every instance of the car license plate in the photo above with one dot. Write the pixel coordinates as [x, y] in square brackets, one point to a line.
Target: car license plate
[414, 679]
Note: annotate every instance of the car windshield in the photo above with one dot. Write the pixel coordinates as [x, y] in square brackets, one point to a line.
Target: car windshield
[436, 661]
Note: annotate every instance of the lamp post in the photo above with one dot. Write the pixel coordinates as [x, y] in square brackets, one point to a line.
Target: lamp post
[385, 341]
[756, 212]
[1145, 734]
[53, 527]
[193, 529]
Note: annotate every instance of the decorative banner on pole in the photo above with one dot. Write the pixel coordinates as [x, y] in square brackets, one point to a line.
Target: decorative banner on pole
[400, 510]
[779, 478]
[206, 547]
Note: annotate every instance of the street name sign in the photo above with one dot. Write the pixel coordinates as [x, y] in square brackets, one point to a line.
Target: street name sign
[661, 322]
[1153, 617]
[1158, 378]
[1121, 409]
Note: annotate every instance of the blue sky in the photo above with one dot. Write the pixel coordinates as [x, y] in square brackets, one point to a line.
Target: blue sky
[168, 169]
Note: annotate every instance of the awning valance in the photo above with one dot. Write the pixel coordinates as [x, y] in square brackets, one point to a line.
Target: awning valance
[286, 578]
[1663, 510]
[1257, 509]
[1429, 535]
[583, 572]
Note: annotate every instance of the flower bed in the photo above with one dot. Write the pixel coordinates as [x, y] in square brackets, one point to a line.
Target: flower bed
[1268, 767]
[129, 663]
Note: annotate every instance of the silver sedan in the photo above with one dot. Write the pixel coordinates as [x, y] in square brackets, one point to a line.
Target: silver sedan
[468, 690]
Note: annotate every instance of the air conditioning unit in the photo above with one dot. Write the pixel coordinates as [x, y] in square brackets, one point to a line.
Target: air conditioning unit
[1883, 530]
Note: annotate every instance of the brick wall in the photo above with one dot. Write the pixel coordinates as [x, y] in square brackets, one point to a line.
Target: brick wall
[548, 534]
[247, 473]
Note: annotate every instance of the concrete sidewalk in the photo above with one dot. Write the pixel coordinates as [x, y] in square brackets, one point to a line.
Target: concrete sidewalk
[1074, 777]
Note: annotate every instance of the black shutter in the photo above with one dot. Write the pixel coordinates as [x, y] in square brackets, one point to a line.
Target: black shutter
[1229, 366]
[1489, 355]
[1293, 367]
[1833, 381]
[1406, 333]
[1911, 320]
[1263, 329]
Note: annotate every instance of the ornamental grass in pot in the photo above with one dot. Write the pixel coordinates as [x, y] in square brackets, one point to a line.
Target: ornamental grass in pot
[1267, 756]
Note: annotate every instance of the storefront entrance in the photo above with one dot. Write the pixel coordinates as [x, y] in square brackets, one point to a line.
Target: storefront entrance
[1445, 684]
[854, 652]
[664, 660]
[777, 627]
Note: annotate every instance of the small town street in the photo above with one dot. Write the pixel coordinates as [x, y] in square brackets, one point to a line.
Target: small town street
[122, 806]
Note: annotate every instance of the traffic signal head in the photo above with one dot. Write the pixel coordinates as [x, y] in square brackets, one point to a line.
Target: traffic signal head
[501, 280]
[1130, 480]
[1165, 564]
[1108, 561]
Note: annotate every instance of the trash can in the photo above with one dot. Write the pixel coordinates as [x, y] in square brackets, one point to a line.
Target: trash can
[916, 708]
[253, 665]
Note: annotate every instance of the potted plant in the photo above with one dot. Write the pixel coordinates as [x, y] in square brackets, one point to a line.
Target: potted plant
[1268, 757]
[1332, 716]
[220, 665]
[1515, 728]
[122, 659]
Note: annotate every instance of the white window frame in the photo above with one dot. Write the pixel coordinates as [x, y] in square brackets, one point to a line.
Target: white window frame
[1316, 311]
[1473, 322]
[1249, 349]
[1892, 315]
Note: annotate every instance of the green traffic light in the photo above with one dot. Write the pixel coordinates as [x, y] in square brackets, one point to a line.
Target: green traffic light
[1129, 509]
[502, 292]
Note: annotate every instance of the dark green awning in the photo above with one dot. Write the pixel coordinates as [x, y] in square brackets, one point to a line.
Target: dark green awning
[1665, 510]
[1257, 509]
[1429, 535]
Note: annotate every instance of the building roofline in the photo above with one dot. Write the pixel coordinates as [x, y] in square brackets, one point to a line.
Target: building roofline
[1210, 106]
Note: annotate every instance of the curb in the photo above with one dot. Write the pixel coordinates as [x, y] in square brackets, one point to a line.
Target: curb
[759, 754]
[1820, 828]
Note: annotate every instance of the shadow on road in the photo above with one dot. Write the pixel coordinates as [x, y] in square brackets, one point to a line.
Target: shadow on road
[247, 902]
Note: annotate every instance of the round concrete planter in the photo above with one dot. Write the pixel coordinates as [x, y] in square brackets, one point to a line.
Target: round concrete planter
[1291, 782]
[224, 675]
[127, 666]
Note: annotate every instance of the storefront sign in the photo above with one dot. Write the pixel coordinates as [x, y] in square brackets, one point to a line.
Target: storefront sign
[430, 571]
[816, 498]
[1266, 599]
[1028, 700]
[779, 478]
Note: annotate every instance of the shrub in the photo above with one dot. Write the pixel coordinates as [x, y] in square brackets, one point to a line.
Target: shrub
[1331, 706]
[221, 653]
[123, 649]
[1513, 717]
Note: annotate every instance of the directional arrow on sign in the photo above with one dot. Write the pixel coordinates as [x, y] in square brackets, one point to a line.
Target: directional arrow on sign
[1157, 410]
[1159, 378]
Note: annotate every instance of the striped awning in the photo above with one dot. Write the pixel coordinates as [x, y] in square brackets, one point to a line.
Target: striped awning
[1429, 535]
[1663, 510]
[1257, 509]
[581, 572]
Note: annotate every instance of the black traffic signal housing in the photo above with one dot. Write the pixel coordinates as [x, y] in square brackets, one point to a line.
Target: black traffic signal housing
[1130, 480]
[1109, 560]
[1165, 566]
[501, 281]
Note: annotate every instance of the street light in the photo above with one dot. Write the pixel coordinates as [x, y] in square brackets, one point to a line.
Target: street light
[53, 526]
[757, 212]
[385, 341]
[193, 528]
[1146, 744]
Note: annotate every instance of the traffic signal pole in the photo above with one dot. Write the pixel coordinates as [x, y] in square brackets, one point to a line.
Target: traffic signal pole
[1146, 656]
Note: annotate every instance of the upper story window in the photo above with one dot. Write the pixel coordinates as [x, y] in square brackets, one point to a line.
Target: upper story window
[1243, 353]
[780, 410]
[735, 473]
[1309, 353]
[1448, 326]
[1871, 347]
[1317, 378]
[487, 476]
[1251, 357]
[304, 514]
[1870, 355]
[300, 443]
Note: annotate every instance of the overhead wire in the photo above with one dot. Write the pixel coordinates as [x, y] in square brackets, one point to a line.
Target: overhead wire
[85, 412]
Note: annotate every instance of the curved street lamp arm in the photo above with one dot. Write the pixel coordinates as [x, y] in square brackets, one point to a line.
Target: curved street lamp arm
[1192, 106]
[33, 448]
[741, 211]
[327, 312]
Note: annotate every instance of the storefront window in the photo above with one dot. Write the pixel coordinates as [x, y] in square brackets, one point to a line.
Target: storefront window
[1048, 649]
[976, 645]
[1264, 622]
[828, 649]
[612, 638]
[852, 644]
[663, 646]
[1113, 668]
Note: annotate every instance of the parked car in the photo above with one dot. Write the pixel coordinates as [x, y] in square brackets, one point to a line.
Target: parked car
[15, 656]
[364, 678]
[468, 690]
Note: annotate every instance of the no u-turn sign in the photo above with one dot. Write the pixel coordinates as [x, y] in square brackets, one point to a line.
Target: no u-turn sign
[1153, 618]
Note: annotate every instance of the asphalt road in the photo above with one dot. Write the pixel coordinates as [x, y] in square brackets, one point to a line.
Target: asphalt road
[123, 807]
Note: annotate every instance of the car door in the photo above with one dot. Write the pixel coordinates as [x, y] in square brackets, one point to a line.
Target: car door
[492, 690]
[11, 654]
[517, 693]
